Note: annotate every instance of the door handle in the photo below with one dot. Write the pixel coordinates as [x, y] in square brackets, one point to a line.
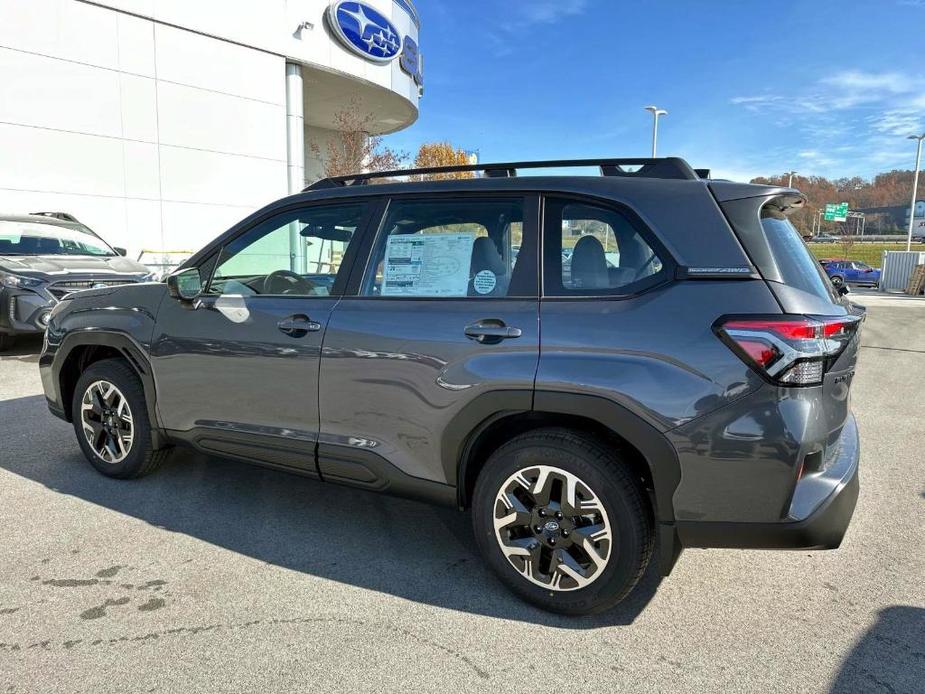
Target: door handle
[298, 325]
[491, 331]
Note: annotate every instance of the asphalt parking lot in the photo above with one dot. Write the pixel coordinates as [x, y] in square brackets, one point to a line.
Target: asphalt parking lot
[215, 576]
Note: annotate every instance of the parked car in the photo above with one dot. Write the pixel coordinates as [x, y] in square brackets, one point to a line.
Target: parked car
[43, 258]
[694, 394]
[843, 272]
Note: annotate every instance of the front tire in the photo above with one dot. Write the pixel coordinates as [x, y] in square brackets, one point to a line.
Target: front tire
[111, 422]
[562, 521]
[838, 280]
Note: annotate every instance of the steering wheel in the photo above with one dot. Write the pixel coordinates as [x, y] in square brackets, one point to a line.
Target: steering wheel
[286, 282]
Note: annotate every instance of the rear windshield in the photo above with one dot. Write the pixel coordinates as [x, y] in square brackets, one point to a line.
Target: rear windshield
[798, 267]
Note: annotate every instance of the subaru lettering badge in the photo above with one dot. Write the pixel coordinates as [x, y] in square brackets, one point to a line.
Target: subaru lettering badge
[411, 61]
[364, 31]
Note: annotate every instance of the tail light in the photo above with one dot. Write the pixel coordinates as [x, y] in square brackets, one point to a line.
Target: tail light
[789, 350]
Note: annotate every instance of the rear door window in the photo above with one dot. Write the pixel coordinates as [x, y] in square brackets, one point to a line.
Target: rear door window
[451, 248]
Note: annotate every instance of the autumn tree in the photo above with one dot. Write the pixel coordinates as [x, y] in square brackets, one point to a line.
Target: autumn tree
[353, 149]
[886, 189]
[433, 154]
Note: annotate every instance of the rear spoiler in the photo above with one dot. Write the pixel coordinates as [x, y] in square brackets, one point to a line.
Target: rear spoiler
[786, 204]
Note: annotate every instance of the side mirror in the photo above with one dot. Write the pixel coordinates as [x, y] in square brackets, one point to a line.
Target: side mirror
[185, 285]
[120, 250]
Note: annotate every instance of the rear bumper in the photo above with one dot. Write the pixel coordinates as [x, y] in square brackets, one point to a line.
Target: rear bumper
[821, 510]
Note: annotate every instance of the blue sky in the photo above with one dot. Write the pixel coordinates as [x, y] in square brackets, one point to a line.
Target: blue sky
[827, 87]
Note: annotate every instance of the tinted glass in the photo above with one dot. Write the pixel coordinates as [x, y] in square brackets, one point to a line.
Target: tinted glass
[27, 238]
[797, 266]
[593, 250]
[447, 248]
[297, 253]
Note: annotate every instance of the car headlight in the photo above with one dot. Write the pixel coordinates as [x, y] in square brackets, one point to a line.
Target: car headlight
[8, 279]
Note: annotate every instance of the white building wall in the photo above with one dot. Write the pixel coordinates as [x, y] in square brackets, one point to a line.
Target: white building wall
[271, 25]
[155, 136]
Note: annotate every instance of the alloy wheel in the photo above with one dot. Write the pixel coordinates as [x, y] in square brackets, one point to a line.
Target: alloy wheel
[552, 528]
[107, 421]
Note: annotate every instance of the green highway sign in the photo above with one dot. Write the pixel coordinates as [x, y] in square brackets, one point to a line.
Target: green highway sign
[836, 212]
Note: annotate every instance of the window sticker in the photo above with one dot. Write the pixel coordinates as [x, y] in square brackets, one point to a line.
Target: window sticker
[484, 282]
[427, 264]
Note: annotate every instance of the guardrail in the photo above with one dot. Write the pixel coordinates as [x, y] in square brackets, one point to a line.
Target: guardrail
[871, 238]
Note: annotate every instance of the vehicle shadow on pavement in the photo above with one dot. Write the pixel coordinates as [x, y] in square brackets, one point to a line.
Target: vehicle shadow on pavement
[25, 346]
[395, 546]
[890, 657]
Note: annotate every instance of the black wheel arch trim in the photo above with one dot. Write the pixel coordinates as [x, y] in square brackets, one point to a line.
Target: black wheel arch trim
[127, 346]
[489, 408]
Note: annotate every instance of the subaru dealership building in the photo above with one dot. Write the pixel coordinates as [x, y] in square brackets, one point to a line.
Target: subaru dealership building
[159, 123]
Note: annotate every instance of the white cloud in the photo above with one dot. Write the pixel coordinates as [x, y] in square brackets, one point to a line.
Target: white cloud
[875, 82]
[759, 102]
[838, 92]
[529, 13]
[847, 123]
[549, 11]
[898, 122]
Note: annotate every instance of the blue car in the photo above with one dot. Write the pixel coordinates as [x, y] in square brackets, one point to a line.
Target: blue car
[843, 272]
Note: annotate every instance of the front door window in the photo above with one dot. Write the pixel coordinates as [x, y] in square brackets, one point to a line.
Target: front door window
[294, 253]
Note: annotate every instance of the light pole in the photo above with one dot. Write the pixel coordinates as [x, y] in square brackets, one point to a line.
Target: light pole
[915, 186]
[790, 180]
[656, 112]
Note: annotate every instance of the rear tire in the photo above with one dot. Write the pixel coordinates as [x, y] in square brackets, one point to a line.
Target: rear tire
[6, 341]
[111, 421]
[572, 552]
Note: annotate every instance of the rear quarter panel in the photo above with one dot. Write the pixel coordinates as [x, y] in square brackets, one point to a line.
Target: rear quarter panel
[655, 354]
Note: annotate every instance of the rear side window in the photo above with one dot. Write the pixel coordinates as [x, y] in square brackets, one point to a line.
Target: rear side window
[797, 266]
[592, 250]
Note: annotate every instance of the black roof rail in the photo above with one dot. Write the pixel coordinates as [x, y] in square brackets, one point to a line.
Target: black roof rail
[63, 216]
[665, 167]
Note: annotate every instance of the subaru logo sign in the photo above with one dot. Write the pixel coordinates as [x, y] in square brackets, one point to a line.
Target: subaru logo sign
[364, 31]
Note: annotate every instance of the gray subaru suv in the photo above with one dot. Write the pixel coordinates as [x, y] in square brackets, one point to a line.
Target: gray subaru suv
[603, 369]
[43, 257]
